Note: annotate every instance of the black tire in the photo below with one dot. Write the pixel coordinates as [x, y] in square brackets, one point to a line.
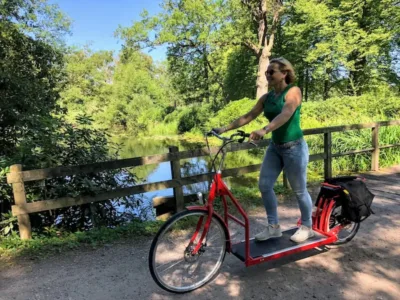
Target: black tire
[347, 233]
[185, 260]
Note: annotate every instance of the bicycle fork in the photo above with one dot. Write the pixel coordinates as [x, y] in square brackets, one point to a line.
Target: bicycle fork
[203, 234]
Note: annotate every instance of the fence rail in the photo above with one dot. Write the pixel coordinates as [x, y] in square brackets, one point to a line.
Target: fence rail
[22, 209]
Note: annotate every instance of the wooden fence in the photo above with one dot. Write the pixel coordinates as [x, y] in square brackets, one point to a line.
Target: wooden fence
[17, 177]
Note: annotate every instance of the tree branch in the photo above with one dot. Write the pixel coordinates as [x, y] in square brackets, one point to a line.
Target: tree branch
[263, 25]
[252, 47]
[248, 44]
[275, 22]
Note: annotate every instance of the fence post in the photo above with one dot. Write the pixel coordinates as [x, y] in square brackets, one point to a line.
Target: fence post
[328, 155]
[285, 180]
[176, 175]
[24, 222]
[375, 145]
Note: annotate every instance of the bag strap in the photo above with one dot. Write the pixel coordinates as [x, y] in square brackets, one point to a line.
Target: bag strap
[334, 180]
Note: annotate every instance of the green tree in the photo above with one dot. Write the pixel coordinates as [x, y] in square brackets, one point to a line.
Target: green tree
[30, 67]
[253, 24]
[88, 82]
[240, 74]
[375, 28]
[33, 131]
[126, 93]
[37, 19]
[191, 76]
[139, 93]
[199, 28]
[340, 47]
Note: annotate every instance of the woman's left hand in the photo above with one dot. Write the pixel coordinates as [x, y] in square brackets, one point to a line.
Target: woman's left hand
[258, 134]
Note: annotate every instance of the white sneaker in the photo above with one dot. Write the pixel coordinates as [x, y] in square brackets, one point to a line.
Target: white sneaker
[302, 234]
[271, 231]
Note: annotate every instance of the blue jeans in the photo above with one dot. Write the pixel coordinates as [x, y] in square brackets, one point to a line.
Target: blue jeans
[293, 158]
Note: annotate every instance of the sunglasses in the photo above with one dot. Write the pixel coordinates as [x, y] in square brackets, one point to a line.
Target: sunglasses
[270, 72]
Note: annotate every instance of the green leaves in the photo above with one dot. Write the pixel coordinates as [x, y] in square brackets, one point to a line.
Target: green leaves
[129, 93]
[8, 224]
[30, 70]
[345, 43]
[37, 18]
[87, 84]
[33, 128]
[199, 34]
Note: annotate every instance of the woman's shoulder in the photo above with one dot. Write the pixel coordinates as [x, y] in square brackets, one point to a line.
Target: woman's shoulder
[293, 90]
[293, 94]
[293, 86]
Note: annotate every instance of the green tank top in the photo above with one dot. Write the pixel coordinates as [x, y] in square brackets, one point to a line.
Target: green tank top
[290, 131]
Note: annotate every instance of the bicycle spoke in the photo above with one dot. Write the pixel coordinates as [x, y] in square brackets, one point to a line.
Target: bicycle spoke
[173, 243]
[348, 229]
[174, 268]
[170, 266]
[212, 238]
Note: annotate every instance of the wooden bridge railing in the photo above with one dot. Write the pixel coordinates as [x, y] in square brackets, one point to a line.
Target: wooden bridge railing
[17, 177]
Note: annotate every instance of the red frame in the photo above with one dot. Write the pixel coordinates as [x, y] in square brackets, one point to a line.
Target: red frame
[218, 188]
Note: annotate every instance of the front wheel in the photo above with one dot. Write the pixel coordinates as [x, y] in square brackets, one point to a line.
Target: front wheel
[171, 262]
[349, 230]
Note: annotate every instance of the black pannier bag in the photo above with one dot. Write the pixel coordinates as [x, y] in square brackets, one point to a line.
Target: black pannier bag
[355, 198]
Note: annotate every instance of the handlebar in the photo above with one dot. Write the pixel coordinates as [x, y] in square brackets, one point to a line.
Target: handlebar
[226, 141]
[239, 133]
[213, 133]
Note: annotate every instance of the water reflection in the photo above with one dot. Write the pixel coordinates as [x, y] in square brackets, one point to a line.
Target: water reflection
[189, 167]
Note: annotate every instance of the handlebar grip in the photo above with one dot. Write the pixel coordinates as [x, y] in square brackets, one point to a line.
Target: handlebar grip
[213, 133]
[210, 133]
[243, 134]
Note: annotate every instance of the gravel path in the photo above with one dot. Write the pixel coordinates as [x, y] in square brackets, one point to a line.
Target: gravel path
[366, 268]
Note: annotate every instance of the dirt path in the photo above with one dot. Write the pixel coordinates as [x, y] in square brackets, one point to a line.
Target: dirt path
[366, 268]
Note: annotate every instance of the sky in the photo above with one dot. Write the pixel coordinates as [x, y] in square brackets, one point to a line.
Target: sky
[95, 21]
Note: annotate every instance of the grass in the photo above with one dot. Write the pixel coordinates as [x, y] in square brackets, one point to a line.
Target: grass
[163, 129]
[41, 246]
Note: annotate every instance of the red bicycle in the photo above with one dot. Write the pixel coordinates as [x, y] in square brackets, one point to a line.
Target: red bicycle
[188, 250]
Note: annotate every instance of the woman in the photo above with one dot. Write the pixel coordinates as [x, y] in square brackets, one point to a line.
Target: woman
[288, 149]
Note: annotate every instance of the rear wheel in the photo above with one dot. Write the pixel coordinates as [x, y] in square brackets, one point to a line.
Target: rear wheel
[349, 230]
[171, 262]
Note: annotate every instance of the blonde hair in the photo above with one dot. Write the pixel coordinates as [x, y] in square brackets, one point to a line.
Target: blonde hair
[285, 66]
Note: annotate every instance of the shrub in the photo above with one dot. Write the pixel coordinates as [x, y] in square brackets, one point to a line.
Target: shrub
[193, 117]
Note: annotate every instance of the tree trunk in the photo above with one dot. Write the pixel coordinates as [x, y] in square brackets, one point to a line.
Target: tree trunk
[306, 86]
[301, 79]
[326, 89]
[327, 86]
[206, 76]
[262, 83]
[264, 43]
[357, 76]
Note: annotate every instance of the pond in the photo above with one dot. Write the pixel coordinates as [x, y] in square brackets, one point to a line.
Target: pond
[131, 147]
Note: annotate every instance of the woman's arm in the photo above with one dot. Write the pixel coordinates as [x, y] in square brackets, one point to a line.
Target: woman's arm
[292, 101]
[246, 118]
